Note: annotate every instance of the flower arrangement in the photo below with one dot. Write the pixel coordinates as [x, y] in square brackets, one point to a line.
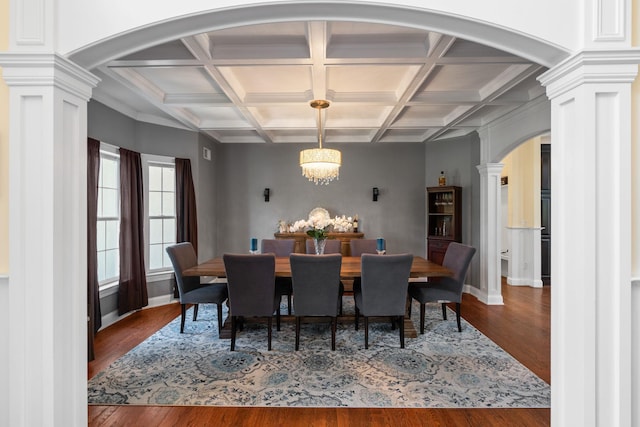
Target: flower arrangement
[318, 225]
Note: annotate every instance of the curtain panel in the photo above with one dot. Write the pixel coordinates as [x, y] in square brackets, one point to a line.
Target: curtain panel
[93, 286]
[132, 288]
[186, 215]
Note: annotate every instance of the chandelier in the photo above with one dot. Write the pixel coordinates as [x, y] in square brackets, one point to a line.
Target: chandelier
[320, 165]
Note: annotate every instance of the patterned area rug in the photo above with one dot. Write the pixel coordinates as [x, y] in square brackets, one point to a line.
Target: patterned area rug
[440, 369]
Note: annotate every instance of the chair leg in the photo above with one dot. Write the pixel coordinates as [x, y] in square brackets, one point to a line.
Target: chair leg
[357, 317]
[183, 314]
[269, 323]
[401, 319]
[444, 311]
[195, 312]
[366, 332]
[334, 323]
[458, 316]
[219, 318]
[393, 323]
[297, 332]
[233, 332]
[288, 304]
[422, 310]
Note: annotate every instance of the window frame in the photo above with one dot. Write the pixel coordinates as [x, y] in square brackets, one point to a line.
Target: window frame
[111, 152]
[149, 160]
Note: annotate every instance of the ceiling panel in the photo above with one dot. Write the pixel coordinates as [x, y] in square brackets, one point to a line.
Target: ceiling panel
[385, 83]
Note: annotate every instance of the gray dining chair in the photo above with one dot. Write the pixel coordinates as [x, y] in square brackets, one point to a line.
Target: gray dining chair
[332, 246]
[357, 248]
[190, 290]
[363, 246]
[383, 290]
[281, 248]
[445, 289]
[316, 289]
[252, 293]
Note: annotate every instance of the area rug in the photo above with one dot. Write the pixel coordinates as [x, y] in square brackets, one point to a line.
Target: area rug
[440, 369]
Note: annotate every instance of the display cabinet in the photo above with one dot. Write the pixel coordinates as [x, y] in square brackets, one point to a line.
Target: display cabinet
[444, 220]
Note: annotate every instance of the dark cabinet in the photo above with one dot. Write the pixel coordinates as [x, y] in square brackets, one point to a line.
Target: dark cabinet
[444, 220]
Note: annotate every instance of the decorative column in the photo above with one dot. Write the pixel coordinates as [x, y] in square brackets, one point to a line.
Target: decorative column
[591, 268]
[48, 98]
[490, 229]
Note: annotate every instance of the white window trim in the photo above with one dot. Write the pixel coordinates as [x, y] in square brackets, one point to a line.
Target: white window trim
[152, 159]
[106, 285]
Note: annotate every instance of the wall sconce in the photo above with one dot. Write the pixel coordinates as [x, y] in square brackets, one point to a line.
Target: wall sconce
[266, 194]
[375, 194]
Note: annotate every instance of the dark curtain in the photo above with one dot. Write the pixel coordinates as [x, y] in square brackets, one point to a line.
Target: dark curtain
[186, 217]
[93, 291]
[132, 289]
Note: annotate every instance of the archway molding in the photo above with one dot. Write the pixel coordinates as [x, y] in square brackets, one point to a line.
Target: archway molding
[517, 43]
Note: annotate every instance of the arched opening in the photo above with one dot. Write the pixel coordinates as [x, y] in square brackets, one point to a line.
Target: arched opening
[93, 56]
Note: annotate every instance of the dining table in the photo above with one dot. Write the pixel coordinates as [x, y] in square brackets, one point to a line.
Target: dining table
[351, 268]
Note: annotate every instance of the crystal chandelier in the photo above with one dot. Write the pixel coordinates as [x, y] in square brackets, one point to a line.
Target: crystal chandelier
[320, 165]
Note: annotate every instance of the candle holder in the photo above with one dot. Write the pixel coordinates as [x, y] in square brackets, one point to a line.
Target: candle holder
[253, 248]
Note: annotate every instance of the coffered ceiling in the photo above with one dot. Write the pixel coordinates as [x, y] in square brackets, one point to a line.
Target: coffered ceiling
[386, 84]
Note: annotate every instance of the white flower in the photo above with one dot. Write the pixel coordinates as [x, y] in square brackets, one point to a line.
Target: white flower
[300, 224]
[342, 224]
[320, 222]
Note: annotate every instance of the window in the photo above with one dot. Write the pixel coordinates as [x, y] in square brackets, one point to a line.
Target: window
[161, 214]
[108, 227]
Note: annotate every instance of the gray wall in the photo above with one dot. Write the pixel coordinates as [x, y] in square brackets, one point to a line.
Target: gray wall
[114, 128]
[458, 158]
[117, 129]
[229, 187]
[245, 170]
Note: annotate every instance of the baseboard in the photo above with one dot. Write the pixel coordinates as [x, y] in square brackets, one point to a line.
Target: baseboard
[112, 317]
[472, 290]
[524, 282]
[483, 296]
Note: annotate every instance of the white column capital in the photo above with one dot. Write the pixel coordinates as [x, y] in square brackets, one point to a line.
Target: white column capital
[591, 67]
[47, 70]
[487, 169]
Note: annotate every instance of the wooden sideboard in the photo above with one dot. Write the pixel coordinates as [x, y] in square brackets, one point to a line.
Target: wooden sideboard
[301, 247]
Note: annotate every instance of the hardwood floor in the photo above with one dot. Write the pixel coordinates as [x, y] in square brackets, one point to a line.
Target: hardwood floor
[522, 327]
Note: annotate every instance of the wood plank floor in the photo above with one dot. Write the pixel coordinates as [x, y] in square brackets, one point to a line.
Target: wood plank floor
[522, 327]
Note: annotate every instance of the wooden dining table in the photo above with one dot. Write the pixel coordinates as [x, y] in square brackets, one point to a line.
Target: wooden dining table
[351, 268]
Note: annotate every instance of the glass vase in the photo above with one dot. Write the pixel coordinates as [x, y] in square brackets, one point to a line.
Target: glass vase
[319, 244]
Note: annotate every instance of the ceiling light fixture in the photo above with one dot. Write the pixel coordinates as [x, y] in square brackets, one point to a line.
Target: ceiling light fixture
[320, 165]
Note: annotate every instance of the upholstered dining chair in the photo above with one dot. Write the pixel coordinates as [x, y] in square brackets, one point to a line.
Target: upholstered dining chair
[363, 246]
[332, 246]
[252, 293]
[281, 248]
[190, 291]
[316, 289]
[359, 247]
[457, 259]
[383, 290]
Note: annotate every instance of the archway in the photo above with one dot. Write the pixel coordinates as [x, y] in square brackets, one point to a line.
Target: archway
[464, 28]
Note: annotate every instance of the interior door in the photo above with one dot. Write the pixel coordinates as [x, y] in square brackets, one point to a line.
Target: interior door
[545, 217]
